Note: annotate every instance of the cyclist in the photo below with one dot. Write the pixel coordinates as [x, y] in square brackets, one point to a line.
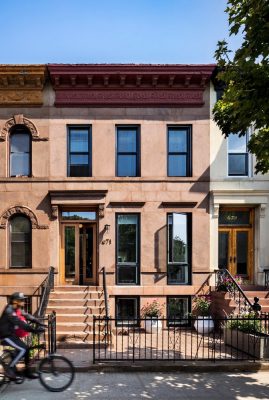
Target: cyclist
[13, 325]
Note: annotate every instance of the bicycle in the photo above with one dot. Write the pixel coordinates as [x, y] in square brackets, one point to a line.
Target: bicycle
[55, 372]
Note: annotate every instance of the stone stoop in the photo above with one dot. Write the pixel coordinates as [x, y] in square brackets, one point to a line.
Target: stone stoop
[223, 304]
[75, 307]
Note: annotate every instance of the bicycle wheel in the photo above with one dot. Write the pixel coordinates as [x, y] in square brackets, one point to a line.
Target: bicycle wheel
[56, 373]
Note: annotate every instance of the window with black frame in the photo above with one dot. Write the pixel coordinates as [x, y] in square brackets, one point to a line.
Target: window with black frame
[20, 152]
[79, 151]
[179, 151]
[179, 252]
[178, 309]
[238, 155]
[20, 242]
[128, 163]
[127, 310]
[127, 249]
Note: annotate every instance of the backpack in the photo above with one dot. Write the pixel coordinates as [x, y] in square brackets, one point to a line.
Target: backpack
[19, 331]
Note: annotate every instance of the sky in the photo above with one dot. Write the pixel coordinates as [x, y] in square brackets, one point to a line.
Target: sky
[112, 31]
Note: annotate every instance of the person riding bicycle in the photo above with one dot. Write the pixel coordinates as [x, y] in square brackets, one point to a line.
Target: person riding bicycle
[13, 325]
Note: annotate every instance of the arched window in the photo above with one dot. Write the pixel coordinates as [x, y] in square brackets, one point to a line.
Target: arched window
[20, 242]
[20, 152]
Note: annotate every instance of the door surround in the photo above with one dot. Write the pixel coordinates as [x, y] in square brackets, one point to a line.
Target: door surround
[234, 229]
[77, 277]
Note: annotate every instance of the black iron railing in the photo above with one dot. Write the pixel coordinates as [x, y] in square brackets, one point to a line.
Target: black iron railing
[226, 282]
[103, 270]
[181, 339]
[41, 294]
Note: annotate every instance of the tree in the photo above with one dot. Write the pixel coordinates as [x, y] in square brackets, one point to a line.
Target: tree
[245, 101]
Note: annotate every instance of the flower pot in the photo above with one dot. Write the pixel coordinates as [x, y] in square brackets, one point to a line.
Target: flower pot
[254, 345]
[204, 325]
[152, 325]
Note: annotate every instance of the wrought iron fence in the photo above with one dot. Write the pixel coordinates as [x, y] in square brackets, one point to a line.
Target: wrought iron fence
[185, 339]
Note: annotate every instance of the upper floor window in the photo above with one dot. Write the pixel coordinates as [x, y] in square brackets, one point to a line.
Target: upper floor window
[128, 160]
[79, 151]
[20, 152]
[179, 151]
[179, 248]
[128, 249]
[20, 242]
[238, 155]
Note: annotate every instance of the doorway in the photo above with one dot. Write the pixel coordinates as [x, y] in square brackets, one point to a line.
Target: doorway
[236, 243]
[79, 254]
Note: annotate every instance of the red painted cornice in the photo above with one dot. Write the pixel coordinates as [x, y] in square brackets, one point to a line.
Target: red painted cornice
[118, 85]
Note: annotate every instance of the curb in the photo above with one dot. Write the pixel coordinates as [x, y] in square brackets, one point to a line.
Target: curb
[175, 367]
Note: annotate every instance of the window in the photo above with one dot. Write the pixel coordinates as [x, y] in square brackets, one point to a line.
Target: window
[128, 151]
[127, 249]
[237, 155]
[178, 309]
[179, 153]
[79, 151]
[20, 152]
[79, 215]
[179, 252]
[20, 242]
[127, 310]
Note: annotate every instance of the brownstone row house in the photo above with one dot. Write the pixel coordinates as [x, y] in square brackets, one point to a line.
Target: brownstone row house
[106, 166]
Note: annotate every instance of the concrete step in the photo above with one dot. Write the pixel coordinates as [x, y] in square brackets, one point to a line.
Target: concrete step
[65, 336]
[79, 327]
[79, 344]
[256, 293]
[62, 309]
[73, 295]
[76, 302]
[61, 317]
[77, 288]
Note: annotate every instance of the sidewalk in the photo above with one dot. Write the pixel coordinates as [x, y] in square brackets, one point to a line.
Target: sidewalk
[151, 386]
[83, 362]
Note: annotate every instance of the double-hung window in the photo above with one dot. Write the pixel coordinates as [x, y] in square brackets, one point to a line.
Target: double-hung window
[127, 251]
[20, 152]
[179, 151]
[127, 310]
[128, 159]
[179, 248]
[79, 151]
[238, 156]
[178, 309]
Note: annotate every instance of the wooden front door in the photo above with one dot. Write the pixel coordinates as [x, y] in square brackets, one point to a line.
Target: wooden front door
[78, 254]
[236, 250]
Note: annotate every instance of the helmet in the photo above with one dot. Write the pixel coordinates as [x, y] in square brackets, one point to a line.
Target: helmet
[17, 296]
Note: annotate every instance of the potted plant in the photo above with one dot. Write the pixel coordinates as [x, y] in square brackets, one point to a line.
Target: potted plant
[152, 312]
[204, 323]
[246, 333]
[226, 284]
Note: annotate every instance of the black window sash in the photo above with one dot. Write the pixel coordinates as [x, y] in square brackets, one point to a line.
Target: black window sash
[186, 153]
[128, 264]
[246, 163]
[80, 153]
[129, 153]
[189, 249]
[121, 321]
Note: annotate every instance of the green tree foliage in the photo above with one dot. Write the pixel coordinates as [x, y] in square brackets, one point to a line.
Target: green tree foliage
[245, 101]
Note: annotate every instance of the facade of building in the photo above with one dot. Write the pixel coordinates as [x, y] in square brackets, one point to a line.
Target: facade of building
[107, 166]
[239, 207]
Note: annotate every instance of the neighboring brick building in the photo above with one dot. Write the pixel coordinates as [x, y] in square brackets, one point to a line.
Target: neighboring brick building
[106, 165]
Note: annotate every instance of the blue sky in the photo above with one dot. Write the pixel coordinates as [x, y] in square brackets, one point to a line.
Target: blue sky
[112, 31]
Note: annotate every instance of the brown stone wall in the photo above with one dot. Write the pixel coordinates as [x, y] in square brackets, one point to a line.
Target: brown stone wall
[49, 164]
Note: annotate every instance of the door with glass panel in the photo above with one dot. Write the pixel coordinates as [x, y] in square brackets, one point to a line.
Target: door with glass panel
[79, 244]
[236, 244]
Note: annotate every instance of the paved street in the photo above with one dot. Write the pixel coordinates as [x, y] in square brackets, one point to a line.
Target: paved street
[168, 386]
